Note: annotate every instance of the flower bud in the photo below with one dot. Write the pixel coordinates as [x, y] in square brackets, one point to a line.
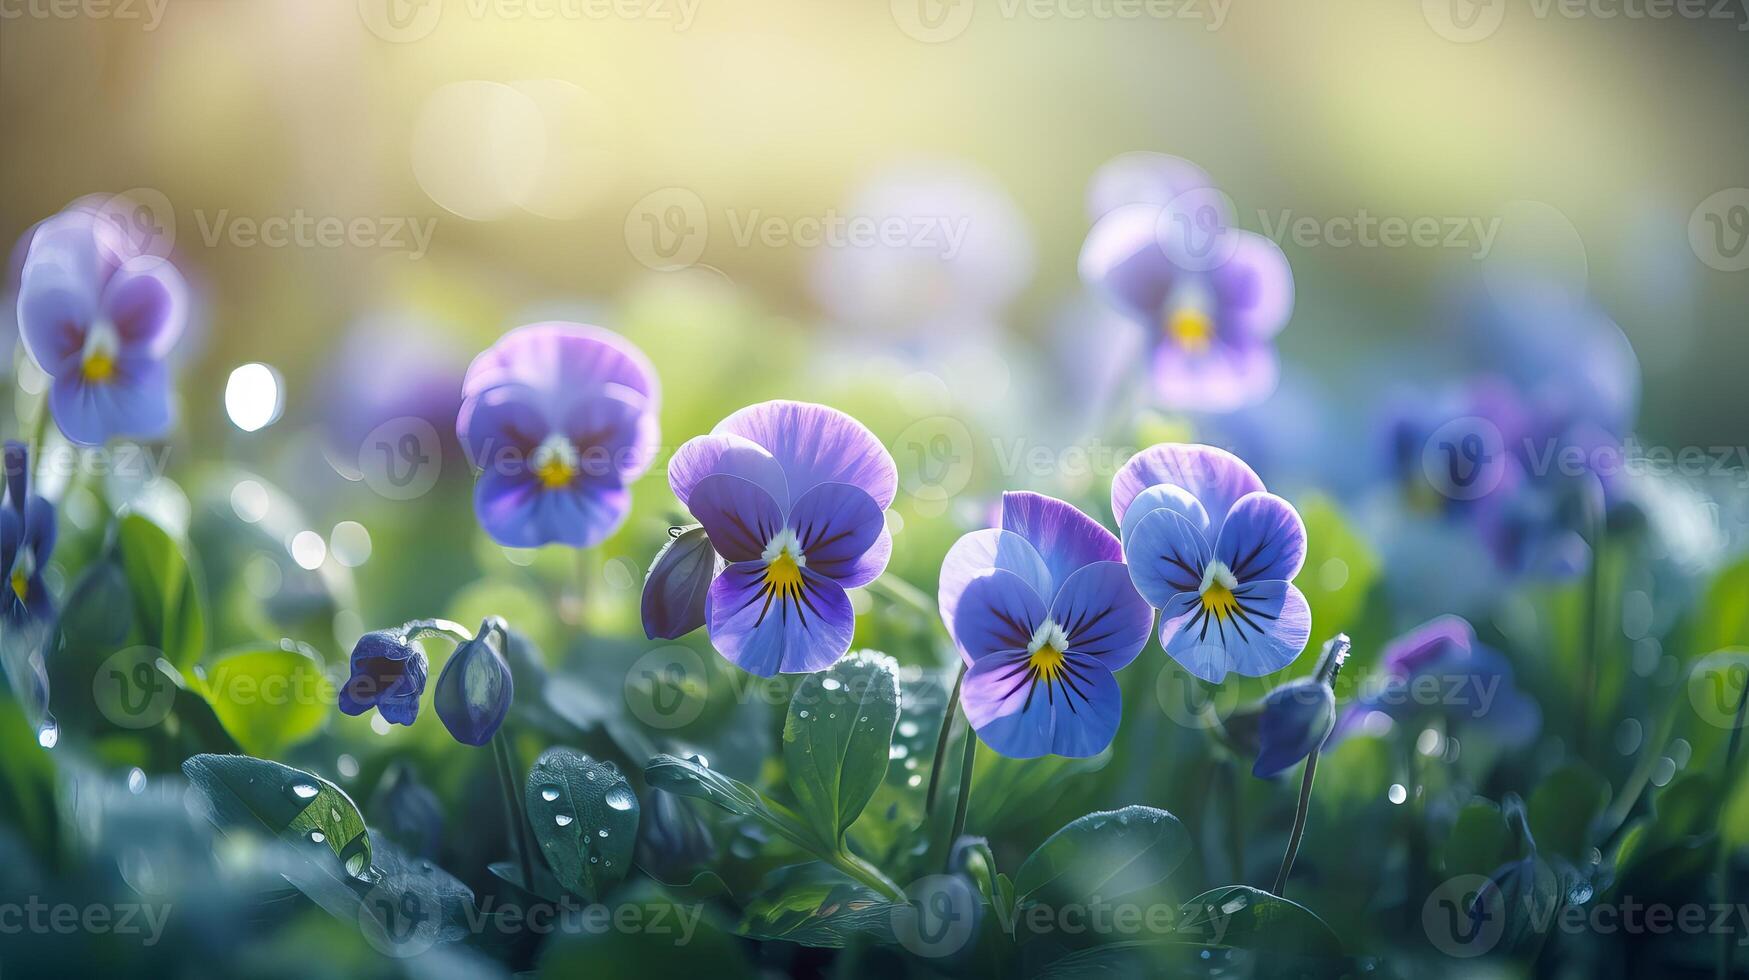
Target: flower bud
[678, 583]
[474, 691]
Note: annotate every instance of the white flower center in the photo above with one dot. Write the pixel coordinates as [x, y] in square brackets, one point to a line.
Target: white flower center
[555, 461]
[102, 344]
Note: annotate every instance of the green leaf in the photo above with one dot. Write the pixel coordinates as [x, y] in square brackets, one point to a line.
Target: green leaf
[1242, 917]
[1480, 841]
[254, 794]
[814, 904]
[270, 698]
[836, 739]
[166, 595]
[1109, 853]
[684, 777]
[1724, 615]
[403, 906]
[1563, 807]
[585, 816]
[1007, 792]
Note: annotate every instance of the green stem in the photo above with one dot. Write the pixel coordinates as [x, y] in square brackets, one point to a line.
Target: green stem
[1722, 862]
[866, 873]
[1592, 633]
[903, 592]
[418, 629]
[965, 797]
[513, 811]
[39, 430]
[947, 718]
[1299, 831]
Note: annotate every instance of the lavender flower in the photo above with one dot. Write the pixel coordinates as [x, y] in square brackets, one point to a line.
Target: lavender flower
[1216, 554]
[1042, 611]
[388, 671]
[27, 539]
[793, 496]
[1438, 669]
[560, 418]
[1212, 297]
[100, 318]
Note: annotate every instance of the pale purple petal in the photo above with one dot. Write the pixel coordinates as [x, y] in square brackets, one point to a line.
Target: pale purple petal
[980, 551]
[738, 515]
[1215, 477]
[1254, 287]
[518, 512]
[615, 437]
[56, 307]
[501, 428]
[997, 611]
[1142, 177]
[1270, 631]
[1231, 374]
[869, 566]
[1166, 496]
[1076, 716]
[838, 525]
[1123, 262]
[708, 455]
[556, 356]
[1066, 538]
[1166, 556]
[1262, 539]
[146, 300]
[766, 634]
[816, 444]
[134, 402]
[1102, 615]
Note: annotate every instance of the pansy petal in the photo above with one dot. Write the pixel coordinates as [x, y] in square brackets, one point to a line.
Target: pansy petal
[1262, 539]
[1142, 177]
[1065, 537]
[1266, 634]
[708, 455]
[1254, 287]
[1231, 374]
[551, 356]
[134, 402]
[1166, 556]
[1122, 260]
[1102, 615]
[1296, 719]
[500, 429]
[679, 582]
[740, 517]
[836, 524]
[868, 566]
[1213, 476]
[518, 512]
[980, 551]
[997, 611]
[1018, 718]
[1165, 496]
[39, 529]
[146, 301]
[765, 634]
[815, 444]
[615, 437]
[55, 309]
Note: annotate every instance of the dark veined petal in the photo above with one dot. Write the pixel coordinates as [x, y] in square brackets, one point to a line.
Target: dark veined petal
[766, 630]
[615, 437]
[979, 552]
[817, 444]
[740, 517]
[1166, 556]
[837, 525]
[1215, 477]
[1022, 716]
[679, 583]
[500, 429]
[1066, 538]
[1296, 718]
[1263, 539]
[1102, 615]
[475, 689]
[1266, 631]
[998, 611]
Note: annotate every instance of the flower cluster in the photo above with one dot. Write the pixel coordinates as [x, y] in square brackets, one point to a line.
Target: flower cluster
[389, 671]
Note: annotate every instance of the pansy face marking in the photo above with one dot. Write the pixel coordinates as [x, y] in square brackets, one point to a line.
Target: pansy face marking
[555, 462]
[97, 359]
[784, 562]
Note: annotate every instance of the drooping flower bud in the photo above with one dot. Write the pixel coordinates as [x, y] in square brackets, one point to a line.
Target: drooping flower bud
[388, 673]
[678, 584]
[1292, 721]
[474, 691]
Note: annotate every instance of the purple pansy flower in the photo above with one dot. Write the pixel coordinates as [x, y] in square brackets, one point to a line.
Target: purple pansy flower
[1216, 553]
[1211, 296]
[27, 539]
[1043, 612]
[99, 318]
[793, 496]
[1438, 668]
[560, 418]
[388, 673]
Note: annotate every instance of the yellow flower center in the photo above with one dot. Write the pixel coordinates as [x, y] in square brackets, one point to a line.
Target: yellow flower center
[21, 585]
[1045, 653]
[555, 462]
[97, 360]
[1218, 584]
[784, 562]
[1191, 329]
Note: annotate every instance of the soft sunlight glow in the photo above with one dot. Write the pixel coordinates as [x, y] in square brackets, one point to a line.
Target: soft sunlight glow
[250, 501]
[253, 397]
[350, 543]
[308, 550]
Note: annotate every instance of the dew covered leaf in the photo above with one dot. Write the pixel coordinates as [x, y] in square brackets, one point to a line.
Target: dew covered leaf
[1109, 853]
[585, 817]
[245, 793]
[837, 737]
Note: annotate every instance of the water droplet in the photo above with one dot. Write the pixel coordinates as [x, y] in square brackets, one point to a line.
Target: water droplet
[602, 832]
[804, 712]
[620, 798]
[1397, 793]
[562, 819]
[830, 684]
[700, 761]
[897, 751]
[304, 791]
[48, 734]
[136, 780]
[589, 774]
[593, 859]
[317, 836]
[549, 793]
[356, 867]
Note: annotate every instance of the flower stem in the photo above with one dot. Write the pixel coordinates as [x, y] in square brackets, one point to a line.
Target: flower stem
[903, 592]
[965, 797]
[1591, 633]
[947, 717]
[513, 811]
[39, 430]
[1299, 831]
[862, 871]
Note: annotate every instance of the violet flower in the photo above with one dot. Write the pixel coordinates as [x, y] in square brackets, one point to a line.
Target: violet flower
[100, 318]
[1043, 612]
[1439, 670]
[560, 418]
[1216, 553]
[388, 673]
[793, 496]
